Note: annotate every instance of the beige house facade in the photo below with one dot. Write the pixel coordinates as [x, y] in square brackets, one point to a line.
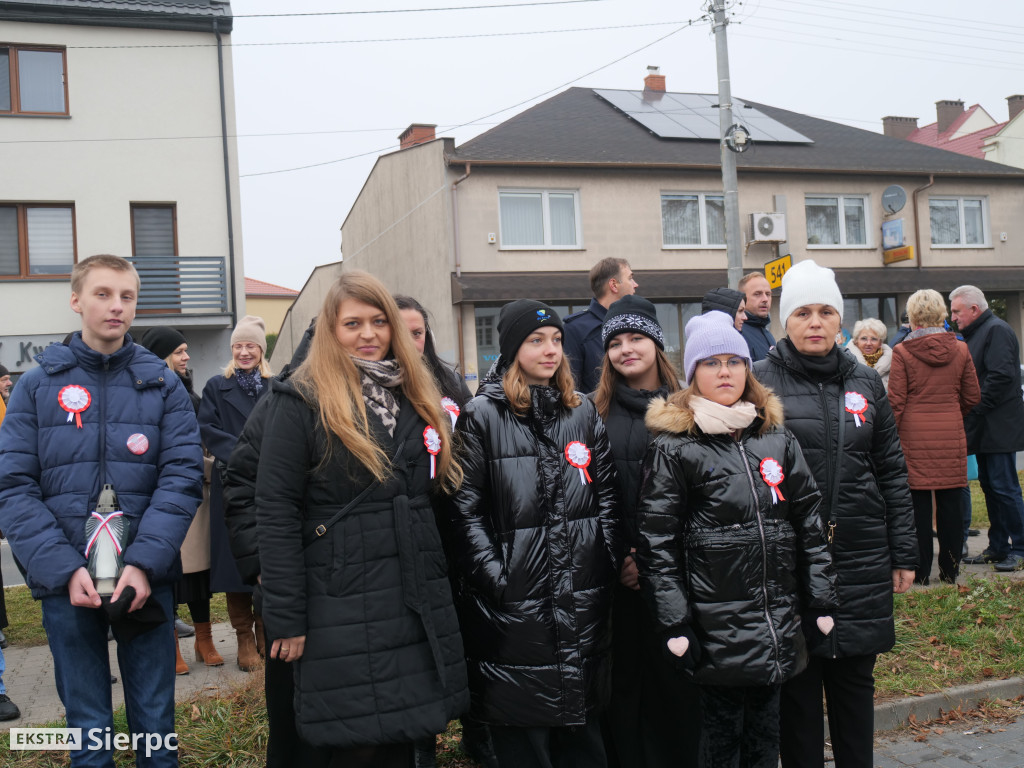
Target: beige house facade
[527, 208]
[117, 139]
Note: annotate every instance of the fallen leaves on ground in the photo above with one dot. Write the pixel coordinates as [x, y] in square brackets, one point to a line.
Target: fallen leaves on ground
[986, 717]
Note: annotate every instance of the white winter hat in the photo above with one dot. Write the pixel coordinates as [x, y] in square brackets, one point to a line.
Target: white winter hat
[806, 283]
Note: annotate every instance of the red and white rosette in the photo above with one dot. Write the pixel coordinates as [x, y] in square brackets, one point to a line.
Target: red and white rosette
[856, 404]
[74, 399]
[432, 440]
[577, 454]
[452, 409]
[772, 473]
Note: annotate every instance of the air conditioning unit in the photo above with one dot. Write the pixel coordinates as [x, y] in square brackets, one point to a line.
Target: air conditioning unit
[767, 227]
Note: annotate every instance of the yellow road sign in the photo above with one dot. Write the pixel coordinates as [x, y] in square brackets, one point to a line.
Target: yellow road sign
[775, 269]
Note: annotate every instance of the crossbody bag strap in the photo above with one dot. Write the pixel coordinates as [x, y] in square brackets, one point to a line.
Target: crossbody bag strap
[401, 439]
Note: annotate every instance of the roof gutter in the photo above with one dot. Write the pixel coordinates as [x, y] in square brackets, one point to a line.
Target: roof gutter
[917, 219]
[227, 176]
[458, 260]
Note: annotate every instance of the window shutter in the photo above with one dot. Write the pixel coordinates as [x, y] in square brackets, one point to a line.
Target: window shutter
[153, 232]
[51, 243]
[9, 242]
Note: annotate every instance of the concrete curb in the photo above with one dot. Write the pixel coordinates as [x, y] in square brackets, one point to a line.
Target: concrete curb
[895, 714]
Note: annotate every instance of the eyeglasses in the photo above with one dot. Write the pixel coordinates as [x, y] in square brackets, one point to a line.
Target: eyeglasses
[713, 363]
[250, 348]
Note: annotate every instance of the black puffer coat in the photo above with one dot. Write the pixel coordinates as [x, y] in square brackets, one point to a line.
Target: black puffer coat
[383, 661]
[718, 554]
[996, 425]
[863, 480]
[537, 550]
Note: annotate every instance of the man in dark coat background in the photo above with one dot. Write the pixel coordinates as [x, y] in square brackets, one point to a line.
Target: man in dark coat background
[759, 315]
[610, 280]
[995, 428]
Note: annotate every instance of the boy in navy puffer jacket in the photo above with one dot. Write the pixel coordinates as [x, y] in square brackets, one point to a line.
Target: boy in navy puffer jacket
[103, 410]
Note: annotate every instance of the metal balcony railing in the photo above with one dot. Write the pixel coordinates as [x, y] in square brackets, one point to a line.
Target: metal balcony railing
[182, 284]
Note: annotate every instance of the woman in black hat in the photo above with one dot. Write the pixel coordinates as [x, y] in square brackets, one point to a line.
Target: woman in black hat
[653, 720]
[536, 549]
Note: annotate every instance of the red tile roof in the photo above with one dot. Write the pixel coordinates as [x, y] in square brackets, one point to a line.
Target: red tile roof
[254, 287]
[969, 144]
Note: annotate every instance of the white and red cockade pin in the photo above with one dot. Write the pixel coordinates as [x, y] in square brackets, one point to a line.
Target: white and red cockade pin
[432, 440]
[856, 404]
[138, 443]
[74, 399]
[772, 473]
[452, 408]
[577, 454]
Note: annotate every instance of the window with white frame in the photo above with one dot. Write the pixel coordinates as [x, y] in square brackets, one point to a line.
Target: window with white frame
[958, 221]
[539, 218]
[694, 220]
[837, 221]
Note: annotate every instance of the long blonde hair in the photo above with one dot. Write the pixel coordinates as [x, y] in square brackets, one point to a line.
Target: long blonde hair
[329, 381]
[667, 377]
[518, 391]
[754, 392]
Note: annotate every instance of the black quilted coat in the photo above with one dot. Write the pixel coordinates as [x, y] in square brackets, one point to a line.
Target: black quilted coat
[863, 480]
[383, 661]
[717, 553]
[536, 551]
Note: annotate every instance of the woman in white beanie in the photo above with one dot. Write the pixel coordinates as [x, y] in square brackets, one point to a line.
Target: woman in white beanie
[228, 400]
[838, 410]
[731, 550]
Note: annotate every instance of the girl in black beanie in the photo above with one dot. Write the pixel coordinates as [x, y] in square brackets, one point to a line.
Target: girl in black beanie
[537, 548]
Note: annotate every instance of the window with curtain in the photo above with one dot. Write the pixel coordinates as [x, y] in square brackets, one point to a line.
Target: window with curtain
[539, 218]
[692, 220]
[836, 220]
[36, 240]
[32, 80]
[153, 231]
[958, 221]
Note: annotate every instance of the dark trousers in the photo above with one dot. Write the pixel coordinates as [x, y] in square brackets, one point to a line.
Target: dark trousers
[949, 526]
[965, 500]
[653, 719]
[997, 473]
[284, 747]
[575, 746]
[849, 685]
[740, 726]
[382, 756]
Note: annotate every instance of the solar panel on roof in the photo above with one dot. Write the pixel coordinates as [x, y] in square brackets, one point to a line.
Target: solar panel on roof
[695, 116]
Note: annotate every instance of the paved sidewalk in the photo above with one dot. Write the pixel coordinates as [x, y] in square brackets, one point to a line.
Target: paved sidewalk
[959, 746]
[29, 677]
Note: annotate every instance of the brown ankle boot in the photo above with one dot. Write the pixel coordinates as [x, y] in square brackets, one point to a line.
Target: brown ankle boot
[242, 619]
[204, 648]
[180, 667]
[260, 638]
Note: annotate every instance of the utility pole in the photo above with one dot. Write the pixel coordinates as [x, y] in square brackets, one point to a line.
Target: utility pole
[730, 185]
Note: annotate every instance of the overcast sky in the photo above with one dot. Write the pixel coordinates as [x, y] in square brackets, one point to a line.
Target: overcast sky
[353, 82]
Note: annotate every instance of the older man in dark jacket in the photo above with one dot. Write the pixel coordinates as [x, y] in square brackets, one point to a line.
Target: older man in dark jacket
[995, 428]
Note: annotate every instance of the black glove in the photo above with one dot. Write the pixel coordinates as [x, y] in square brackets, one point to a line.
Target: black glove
[689, 660]
[127, 626]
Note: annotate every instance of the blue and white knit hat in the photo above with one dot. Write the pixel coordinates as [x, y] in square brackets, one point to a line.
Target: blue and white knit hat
[632, 313]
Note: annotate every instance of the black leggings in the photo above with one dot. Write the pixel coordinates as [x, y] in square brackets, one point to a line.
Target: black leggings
[200, 610]
[740, 726]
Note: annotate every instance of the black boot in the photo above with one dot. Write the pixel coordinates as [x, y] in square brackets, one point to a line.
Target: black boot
[476, 743]
[423, 753]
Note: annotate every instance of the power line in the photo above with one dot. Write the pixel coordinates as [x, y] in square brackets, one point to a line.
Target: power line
[407, 10]
[887, 12]
[686, 25]
[386, 39]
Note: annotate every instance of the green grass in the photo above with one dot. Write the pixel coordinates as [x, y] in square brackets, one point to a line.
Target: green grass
[26, 616]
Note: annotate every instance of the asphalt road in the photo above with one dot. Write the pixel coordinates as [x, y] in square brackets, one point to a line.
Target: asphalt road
[11, 575]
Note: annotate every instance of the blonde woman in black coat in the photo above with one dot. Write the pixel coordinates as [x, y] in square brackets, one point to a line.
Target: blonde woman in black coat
[354, 579]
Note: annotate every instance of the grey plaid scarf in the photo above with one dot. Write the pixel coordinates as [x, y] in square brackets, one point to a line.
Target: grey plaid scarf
[379, 377]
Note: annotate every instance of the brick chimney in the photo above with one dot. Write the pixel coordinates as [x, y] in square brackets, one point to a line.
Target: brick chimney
[946, 112]
[1015, 104]
[417, 133]
[654, 81]
[898, 127]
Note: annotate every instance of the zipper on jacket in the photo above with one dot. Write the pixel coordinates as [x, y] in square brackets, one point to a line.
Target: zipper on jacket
[830, 526]
[102, 425]
[764, 556]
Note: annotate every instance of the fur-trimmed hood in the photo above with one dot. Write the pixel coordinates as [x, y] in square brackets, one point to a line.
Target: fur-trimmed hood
[664, 417]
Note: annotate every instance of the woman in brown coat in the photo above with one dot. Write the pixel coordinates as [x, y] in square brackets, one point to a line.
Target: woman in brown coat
[932, 386]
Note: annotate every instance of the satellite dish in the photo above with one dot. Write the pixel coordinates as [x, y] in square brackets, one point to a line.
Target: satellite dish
[765, 225]
[894, 198]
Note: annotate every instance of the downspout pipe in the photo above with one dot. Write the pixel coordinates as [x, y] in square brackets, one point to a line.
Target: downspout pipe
[227, 176]
[458, 261]
[917, 218]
